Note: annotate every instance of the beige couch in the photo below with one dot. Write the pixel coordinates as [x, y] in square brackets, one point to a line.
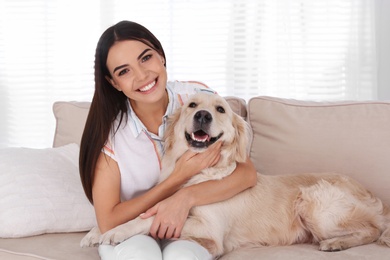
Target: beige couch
[290, 136]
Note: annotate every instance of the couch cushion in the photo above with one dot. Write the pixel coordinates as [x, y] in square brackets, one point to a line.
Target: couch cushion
[238, 105]
[70, 121]
[351, 138]
[308, 252]
[62, 246]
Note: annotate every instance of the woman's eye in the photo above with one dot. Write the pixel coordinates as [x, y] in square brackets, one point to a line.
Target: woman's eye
[146, 57]
[220, 109]
[122, 72]
[192, 105]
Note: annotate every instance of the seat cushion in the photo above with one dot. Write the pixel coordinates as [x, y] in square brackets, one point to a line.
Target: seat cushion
[48, 246]
[309, 252]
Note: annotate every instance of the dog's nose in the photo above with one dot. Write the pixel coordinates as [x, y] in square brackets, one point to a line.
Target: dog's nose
[203, 117]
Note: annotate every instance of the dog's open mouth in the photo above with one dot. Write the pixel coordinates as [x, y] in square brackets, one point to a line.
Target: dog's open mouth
[201, 139]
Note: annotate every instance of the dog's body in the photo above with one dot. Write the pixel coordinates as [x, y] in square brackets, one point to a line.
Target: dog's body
[330, 209]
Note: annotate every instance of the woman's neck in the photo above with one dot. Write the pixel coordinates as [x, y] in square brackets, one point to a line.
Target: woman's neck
[151, 114]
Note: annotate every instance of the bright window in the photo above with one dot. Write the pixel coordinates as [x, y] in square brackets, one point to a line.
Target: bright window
[303, 49]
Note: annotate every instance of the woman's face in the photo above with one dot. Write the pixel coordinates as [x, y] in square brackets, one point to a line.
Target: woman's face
[137, 70]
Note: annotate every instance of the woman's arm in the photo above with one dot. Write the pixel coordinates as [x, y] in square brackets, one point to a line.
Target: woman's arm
[173, 211]
[242, 178]
[109, 209]
[111, 212]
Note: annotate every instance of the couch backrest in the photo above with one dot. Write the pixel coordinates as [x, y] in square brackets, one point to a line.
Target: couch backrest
[352, 138]
[71, 116]
[70, 121]
[291, 136]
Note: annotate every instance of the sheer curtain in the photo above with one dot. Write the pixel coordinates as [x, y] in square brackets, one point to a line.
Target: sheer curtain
[321, 50]
[306, 49]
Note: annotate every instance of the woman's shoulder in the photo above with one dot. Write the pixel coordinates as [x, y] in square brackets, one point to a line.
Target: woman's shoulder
[188, 87]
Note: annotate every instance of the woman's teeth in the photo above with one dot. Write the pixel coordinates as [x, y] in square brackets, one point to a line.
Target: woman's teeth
[146, 88]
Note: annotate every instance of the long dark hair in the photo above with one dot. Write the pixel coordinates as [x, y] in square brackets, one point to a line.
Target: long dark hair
[107, 102]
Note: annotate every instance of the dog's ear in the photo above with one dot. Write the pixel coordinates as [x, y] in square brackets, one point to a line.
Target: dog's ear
[169, 131]
[241, 140]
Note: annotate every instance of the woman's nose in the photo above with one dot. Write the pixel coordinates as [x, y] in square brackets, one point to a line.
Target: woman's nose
[140, 73]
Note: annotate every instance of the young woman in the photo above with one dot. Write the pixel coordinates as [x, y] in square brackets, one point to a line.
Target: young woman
[121, 149]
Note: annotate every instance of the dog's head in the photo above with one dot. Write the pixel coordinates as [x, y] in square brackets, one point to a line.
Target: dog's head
[203, 120]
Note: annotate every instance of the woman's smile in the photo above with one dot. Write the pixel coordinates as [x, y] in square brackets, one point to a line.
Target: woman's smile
[148, 87]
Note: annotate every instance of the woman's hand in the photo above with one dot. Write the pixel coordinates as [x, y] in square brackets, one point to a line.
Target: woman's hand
[191, 163]
[172, 212]
[171, 215]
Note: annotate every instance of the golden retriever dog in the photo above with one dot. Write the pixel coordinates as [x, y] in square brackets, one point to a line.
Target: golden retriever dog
[327, 209]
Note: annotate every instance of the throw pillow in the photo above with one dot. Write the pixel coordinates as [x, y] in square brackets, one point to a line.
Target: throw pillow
[41, 192]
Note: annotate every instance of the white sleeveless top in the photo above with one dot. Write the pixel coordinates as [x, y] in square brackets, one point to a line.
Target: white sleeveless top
[137, 151]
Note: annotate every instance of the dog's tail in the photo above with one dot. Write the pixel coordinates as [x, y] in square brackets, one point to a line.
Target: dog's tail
[384, 239]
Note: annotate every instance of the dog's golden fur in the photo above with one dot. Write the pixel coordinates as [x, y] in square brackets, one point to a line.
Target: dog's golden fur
[328, 209]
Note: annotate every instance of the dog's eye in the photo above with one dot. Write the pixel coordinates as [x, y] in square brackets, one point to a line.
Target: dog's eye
[192, 104]
[220, 109]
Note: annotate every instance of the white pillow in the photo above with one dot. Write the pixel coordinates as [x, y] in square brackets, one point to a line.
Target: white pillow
[41, 192]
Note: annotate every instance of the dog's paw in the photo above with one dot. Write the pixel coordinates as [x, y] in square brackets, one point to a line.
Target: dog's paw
[384, 239]
[113, 237]
[333, 245]
[91, 239]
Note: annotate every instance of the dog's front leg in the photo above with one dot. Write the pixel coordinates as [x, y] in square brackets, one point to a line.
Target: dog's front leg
[92, 238]
[127, 230]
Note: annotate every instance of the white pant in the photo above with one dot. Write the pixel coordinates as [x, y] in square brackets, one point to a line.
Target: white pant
[142, 247]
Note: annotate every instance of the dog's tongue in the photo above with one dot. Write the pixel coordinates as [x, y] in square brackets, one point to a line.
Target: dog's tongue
[200, 136]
